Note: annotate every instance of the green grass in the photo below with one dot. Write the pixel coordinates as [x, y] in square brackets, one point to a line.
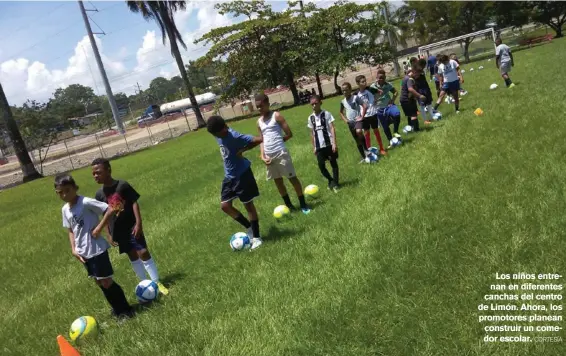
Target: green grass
[395, 264]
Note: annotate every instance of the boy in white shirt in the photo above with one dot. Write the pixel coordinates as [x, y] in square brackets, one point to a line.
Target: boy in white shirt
[504, 61]
[80, 218]
[323, 138]
[450, 78]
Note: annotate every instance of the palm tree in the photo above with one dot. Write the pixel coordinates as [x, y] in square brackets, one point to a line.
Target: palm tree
[26, 165]
[162, 13]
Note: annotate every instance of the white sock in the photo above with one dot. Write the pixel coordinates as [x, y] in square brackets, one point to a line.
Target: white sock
[151, 269]
[423, 113]
[429, 111]
[137, 265]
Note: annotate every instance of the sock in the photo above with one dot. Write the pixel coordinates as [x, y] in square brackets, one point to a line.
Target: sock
[361, 150]
[303, 202]
[151, 269]
[429, 110]
[242, 220]
[137, 265]
[378, 137]
[287, 201]
[255, 228]
[115, 296]
[507, 81]
[423, 112]
[436, 106]
[457, 106]
[335, 171]
[415, 124]
[368, 139]
[396, 123]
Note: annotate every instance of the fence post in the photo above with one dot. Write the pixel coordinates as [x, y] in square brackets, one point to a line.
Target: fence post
[170, 132]
[187, 120]
[68, 154]
[127, 146]
[99, 146]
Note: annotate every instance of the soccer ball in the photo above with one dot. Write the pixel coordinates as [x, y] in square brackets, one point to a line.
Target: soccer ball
[449, 100]
[240, 241]
[489, 60]
[371, 158]
[407, 129]
[395, 142]
[463, 71]
[493, 86]
[463, 93]
[82, 328]
[480, 67]
[471, 69]
[437, 116]
[147, 291]
[281, 211]
[374, 150]
[312, 190]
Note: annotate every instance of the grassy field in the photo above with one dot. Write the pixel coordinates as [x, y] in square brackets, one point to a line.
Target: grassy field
[396, 263]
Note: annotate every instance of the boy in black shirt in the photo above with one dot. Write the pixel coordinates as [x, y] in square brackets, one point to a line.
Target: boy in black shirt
[125, 229]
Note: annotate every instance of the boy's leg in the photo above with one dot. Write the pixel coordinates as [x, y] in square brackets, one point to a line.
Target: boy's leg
[280, 184]
[396, 123]
[137, 264]
[455, 94]
[374, 123]
[276, 171]
[228, 194]
[253, 217]
[321, 161]
[335, 171]
[439, 100]
[366, 127]
[247, 191]
[384, 120]
[352, 128]
[299, 190]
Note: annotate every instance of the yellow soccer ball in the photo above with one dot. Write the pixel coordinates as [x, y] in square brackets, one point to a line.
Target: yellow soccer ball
[312, 190]
[281, 211]
[84, 327]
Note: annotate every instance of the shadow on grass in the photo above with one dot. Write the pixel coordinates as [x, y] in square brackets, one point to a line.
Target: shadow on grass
[350, 183]
[276, 233]
[173, 278]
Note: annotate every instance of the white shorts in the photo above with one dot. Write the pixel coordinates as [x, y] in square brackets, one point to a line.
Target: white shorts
[281, 165]
[505, 67]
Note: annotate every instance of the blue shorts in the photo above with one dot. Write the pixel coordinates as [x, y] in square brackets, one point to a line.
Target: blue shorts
[243, 187]
[129, 243]
[451, 87]
[393, 111]
[99, 266]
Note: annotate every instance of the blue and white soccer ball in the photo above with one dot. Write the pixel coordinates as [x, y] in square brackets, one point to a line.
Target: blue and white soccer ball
[449, 100]
[240, 241]
[147, 291]
[372, 158]
[395, 141]
[437, 116]
[408, 129]
[374, 150]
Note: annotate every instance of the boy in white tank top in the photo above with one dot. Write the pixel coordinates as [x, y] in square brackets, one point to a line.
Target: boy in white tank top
[274, 131]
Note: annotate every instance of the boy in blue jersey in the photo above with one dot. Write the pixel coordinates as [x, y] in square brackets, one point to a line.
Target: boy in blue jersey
[385, 98]
[239, 181]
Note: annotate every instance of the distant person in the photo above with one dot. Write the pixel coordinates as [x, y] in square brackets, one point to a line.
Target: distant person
[125, 229]
[313, 92]
[406, 67]
[239, 181]
[325, 146]
[431, 63]
[385, 99]
[504, 61]
[450, 78]
[370, 121]
[408, 99]
[454, 57]
[424, 89]
[80, 218]
[352, 111]
[274, 132]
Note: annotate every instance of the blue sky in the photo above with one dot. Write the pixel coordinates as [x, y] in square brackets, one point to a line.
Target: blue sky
[43, 45]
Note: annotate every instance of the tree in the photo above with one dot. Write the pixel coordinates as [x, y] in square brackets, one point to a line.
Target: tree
[550, 13]
[39, 127]
[161, 88]
[26, 165]
[73, 101]
[162, 13]
[436, 21]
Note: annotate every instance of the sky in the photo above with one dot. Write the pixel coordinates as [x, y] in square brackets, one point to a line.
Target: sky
[44, 45]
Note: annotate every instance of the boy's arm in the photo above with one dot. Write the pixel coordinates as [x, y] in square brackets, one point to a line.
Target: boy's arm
[512, 60]
[281, 121]
[413, 91]
[138, 228]
[364, 110]
[73, 247]
[395, 93]
[312, 142]
[262, 152]
[342, 113]
[335, 144]
[104, 222]
[459, 72]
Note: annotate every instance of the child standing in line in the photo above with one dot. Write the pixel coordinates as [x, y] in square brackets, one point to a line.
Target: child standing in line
[424, 89]
[239, 181]
[325, 147]
[408, 99]
[271, 126]
[125, 229]
[352, 111]
[80, 218]
[370, 119]
[384, 102]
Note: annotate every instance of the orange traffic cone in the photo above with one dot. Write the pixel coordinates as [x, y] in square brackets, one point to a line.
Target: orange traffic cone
[65, 348]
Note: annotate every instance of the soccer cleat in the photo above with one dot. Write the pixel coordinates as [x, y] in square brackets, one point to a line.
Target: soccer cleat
[362, 161]
[512, 85]
[335, 189]
[383, 153]
[256, 242]
[457, 111]
[306, 211]
[250, 232]
[389, 147]
[162, 289]
[397, 135]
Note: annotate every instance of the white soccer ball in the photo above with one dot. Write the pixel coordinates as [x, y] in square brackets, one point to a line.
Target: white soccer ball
[489, 60]
[374, 150]
[395, 141]
[493, 86]
[437, 116]
[480, 67]
[240, 241]
[147, 291]
[449, 100]
[371, 158]
[463, 71]
[471, 69]
[407, 129]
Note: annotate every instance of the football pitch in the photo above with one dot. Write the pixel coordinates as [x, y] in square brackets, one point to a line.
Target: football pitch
[394, 264]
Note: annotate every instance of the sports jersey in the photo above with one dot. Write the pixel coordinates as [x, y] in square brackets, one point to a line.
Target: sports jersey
[368, 98]
[353, 106]
[272, 134]
[448, 71]
[383, 100]
[230, 145]
[320, 124]
[503, 51]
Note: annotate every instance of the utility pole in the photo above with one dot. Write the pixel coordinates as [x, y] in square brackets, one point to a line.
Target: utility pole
[391, 42]
[109, 95]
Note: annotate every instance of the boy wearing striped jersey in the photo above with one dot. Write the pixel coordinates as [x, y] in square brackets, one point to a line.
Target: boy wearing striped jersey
[274, 131]
[352, 111]
[323, 138]
[370, 118]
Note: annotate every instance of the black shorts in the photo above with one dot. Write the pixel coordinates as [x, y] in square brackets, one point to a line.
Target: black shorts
[326, 154]
[99, 266]
[409, 108]
[243, 187]
[370, 121]
[128, 242]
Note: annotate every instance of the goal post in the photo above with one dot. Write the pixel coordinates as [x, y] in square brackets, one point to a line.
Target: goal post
[456, 44]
